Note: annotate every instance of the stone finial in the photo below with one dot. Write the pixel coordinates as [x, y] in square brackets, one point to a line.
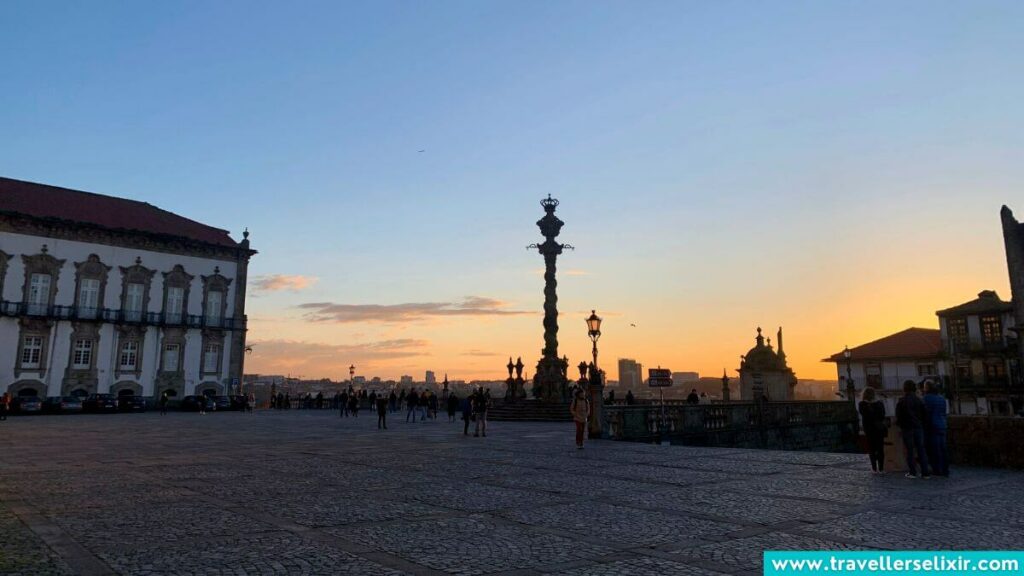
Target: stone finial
[216, 269]
[138, 260]
[45, 249]
[245, 233]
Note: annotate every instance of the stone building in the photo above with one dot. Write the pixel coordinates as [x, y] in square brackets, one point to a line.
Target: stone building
[765, 373]
[104, 294]
[1013, 237]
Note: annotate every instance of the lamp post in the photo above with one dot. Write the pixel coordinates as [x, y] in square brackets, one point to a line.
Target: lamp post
[596, 382]
[851, 390]
[351, 375]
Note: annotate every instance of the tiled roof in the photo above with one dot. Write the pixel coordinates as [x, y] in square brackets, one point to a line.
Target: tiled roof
[910, 343]
[52, 202]
[986, 302]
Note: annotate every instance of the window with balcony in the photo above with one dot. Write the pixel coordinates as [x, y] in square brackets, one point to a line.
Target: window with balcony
[129, 355]
[133, 297]
[39, 293]
[171, 357]
[957, 329]
[176, 288]
[175, 304]
[991, 329]
[88, 301]
[31, 352]
[211, 359]
[214, 306]
[82, 357]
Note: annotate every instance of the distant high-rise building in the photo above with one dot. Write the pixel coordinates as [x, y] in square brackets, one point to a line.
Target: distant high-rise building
[630, 373]
[683, 377]
[406, 380]
[430, 377]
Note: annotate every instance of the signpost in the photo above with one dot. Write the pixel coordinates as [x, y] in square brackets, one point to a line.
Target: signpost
[660, 378]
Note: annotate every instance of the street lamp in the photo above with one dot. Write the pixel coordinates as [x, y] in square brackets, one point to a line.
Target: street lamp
[351, 374]
[851, 391]
[594, 330]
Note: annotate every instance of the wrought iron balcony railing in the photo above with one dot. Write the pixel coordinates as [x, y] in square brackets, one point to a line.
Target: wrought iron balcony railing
[110, 315]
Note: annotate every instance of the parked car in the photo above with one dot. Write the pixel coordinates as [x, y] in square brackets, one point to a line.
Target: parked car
[62, 404]
[224, 403]
[191, 403]
[131, 403]
[27, 405]
[100, 403]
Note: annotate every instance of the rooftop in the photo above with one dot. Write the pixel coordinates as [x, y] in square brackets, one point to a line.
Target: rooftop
[987, 302]
[908, 344]
[54, 203]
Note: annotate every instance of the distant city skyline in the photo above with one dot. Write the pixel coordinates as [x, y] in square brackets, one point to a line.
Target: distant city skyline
[839, 167]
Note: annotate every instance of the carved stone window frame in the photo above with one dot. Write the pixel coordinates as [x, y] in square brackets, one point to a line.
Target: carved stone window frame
[136, 274]
[172, 336]
[212, 337]
[33, 327]
[4, 257]
[42, 263]
[125, 334]
[177, 278]
[216, 282]
[85, 378]
[92, 268]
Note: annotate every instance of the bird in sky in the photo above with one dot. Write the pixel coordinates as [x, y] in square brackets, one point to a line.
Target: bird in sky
[421, 150]
[633, 325]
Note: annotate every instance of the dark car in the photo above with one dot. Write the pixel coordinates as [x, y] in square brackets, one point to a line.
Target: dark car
[191, 403]
[27, 405]
[62, 404]
[100, 403]
[224, 403]
[131, 403]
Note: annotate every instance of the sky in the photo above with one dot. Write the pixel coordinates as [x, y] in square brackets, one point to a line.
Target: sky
[835, 168]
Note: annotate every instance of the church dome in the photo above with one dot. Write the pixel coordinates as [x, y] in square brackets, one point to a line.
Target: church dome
[762, 358]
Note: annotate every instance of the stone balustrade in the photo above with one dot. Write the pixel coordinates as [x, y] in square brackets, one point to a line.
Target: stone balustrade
[772, 425]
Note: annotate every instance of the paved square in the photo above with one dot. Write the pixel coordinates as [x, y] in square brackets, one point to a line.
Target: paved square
[305, 492]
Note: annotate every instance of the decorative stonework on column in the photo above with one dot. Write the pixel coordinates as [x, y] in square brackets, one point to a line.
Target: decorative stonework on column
[550, 377]
[236, 365]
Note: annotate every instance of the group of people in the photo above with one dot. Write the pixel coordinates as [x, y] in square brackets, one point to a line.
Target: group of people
[922, 424]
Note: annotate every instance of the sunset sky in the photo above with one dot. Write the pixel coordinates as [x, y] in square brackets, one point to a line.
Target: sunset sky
[836, 167]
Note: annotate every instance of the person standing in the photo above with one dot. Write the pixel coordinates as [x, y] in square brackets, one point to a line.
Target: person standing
[935, 426]
[482, 401]
[353, 405]
[392, 402]
[410, 405]
[251, 405]
[163, 403]
[910, 417]
[432, 406]
[580, 410]
[630, 399]
[5, 405]
[872, 416]
[466, 405]
[453, 406]
[693, 398]
[382, 412]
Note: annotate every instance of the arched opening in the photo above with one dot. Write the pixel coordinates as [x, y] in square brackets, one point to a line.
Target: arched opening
[28, 392]
[125, 392]
[210, 392]
[79, 393]
[171, 392]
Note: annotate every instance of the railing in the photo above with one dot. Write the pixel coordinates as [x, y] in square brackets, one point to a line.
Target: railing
[654, 421]
[59, 312]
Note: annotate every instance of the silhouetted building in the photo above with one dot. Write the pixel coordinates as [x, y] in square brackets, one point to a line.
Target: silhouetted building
[630, 373]
[764, 372]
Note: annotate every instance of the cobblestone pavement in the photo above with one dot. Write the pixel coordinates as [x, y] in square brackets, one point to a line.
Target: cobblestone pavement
[306, 492]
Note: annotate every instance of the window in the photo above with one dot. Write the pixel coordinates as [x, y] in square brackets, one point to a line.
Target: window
[175, 304]
[133, 301]
[214, 301]
[926, 369]
[129, 355]
[31, 351]
[211, 358]
[873, 374]
[88, 297]
[171, 357]
[995, 370]
[991, 329]
[957, 328]
[82, 357]
[38, 293]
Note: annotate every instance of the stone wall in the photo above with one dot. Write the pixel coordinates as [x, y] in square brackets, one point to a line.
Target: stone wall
[980, 441]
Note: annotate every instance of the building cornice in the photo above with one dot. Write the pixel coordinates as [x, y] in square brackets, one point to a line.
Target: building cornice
[152, 242]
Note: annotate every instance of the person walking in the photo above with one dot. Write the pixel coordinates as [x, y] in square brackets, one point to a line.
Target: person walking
[910, 417]
[466, 405]
[353, 405]
[392, 402]
[935, 426]
[410, 405]
[163, 403]
[480, 410]
[202, 404]
[5, 405]
[432, 406]
[580, 410]
[872, 416]
[251, 404]
[382, 412]
[453, 406]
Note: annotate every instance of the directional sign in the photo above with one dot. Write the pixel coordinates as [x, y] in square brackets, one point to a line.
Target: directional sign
[659, 377]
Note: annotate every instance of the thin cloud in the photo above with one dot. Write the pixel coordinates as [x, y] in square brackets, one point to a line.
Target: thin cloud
[309, 358]
[476, 352]
[409, 312]
[282, 282]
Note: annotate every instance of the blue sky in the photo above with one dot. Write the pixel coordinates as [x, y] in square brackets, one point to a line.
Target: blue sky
[835, 167]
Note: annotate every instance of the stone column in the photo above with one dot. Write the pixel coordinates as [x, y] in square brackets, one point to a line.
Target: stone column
[236, 367]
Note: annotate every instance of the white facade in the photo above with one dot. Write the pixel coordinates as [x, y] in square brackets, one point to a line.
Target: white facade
[80, 326]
